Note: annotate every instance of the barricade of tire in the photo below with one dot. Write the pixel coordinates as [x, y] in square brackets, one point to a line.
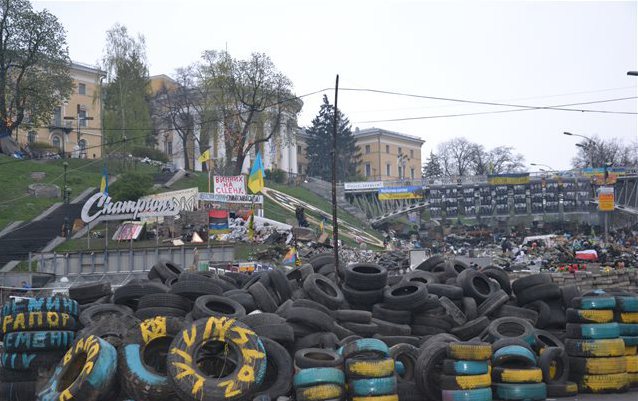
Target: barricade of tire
[321, 332]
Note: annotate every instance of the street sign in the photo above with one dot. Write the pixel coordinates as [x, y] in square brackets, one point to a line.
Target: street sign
[606, 199]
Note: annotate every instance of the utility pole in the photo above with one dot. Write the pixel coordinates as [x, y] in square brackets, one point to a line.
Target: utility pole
[335, 227]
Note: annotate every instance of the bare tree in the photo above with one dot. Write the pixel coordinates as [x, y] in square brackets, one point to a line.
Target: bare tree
[598, 152]
[456, 156]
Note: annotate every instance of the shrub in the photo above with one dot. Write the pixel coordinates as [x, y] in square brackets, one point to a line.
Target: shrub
[42, 146]
[277, 175]
[131, 186]
[151, 153]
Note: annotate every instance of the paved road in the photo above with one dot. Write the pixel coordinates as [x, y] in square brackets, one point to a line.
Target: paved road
[632, 395]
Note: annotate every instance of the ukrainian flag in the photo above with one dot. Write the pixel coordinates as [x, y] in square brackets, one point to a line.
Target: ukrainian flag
[104, 184]
[256, 177]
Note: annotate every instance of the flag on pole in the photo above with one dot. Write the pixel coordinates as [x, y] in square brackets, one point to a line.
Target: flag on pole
[251, 226]
[323, 219]
[256, 177]
[204, 156]
[104, 184]
[291, 256]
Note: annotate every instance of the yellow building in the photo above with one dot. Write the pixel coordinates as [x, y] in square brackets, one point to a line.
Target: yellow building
[388, 155]
[76, 126]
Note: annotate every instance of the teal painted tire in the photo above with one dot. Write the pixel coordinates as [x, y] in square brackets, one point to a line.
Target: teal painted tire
[627, 304]
[630, 340]
[316, 376]
[365, 346]
[38, 341]
[628, 329]
[480, 394]
[519, 392]
[602, 302]
[373, 387]
[593, 331]
[399, 368]
[514, 354]
[461, 368]
[45, 304]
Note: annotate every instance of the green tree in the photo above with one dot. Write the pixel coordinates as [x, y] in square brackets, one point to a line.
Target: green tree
[34, 66]
[432, 168]
[126, 99]
[319, 149]
[131, 186]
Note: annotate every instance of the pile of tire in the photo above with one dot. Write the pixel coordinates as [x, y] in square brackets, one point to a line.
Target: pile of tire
[318, 375]
[626, 314]
[596, 352]
[36, 333]
[370, 370]
[515, 372]
[466, 372]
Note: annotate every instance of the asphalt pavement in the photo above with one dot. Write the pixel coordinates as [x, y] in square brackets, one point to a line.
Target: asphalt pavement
[631, 395]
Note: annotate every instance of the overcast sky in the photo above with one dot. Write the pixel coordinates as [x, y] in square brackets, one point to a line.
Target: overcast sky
[532, 53]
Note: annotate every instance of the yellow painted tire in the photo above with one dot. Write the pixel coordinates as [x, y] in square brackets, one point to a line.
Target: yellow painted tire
[632, 363]
[627, 317]
[505, 375]
[631, 349]
[37, 321]
[633, 379]
[392, 397]
[369, 368]
[597, 348]
[618, 382]
[470, 351]
[465, 382]
[598, 366]
[590, 315]
[320, 392]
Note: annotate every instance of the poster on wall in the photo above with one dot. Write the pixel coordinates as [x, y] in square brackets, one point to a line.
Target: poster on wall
[606, 199]
[218, 222]
[229, 185]
[395, 193]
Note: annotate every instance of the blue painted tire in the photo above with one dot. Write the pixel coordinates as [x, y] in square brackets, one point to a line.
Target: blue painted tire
[630, 340]
[602, 302]
[315, 376]
[399, 368]
[461, 368]
[373, 387]
[480, 394]
[93, 378]
[45, 304]
[519, 392]
[628, 329]
[513, 353]
[38, 341]
[627, 304]
[23, 361]
[593, 331]
[365, 346]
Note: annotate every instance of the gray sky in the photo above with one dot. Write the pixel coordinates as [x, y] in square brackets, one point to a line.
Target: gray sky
[532, 53]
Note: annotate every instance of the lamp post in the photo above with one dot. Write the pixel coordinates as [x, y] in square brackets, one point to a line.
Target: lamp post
[633, 73]
[542, 165]
[590, 147]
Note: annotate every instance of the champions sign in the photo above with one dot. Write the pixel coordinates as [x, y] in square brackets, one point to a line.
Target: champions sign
[125, 210]
[232, 185]
[411, 192]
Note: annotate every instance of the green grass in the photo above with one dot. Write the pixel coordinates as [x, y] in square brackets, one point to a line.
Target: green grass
[15, 178]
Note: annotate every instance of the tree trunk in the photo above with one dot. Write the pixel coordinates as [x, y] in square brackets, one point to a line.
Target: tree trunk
[185, 146]
[239, 163]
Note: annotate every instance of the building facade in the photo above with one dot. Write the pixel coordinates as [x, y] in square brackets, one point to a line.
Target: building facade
[76, 127]
[388, 155]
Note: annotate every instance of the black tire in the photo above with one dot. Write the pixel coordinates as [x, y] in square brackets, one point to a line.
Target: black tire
[310, 317]
[432, 321]
[421, 331]
[506, 342]
[164, 270]
[408, 355]
[588, 316]
[318, 340]
[265, 302]
[354, 316]
[405, 296]
[568, 293]
[394, 340]
[112, 330]
[544, 313]
[300, 273]
[557, 317]
[240, 339]
[319, 260]
[95, 313]
[390, 315]
[130, 293]
[279, 370]
[149, 313]
[470, 308]
[364, 330]
[261, 319]
[89, 292]
[257, 277]
[554, 358]
[559, 390]
[18, 391]
[516, 311]
[317, 358]
[474, 284]
[445, 290]
[511, 327]
[37, 321]
[471, 329]
[214, 305]
[541, 292]
[428, 368]
[362, 298]
[523, 283]
[429, 263]
[595, 348]
[309, 303]
[546, 339]
[366, 276]
[195, 289]
[421, 277]
[280, 285]
[142, 359]
[500, 276]
[453, 311]
[100, 301]
[342, 332]
[324, 291]
[244, 298]
[165, 300]
[391, 329]
[38, 341]
[438, 338]
[493, 303]
[29, 362]
[281, 333]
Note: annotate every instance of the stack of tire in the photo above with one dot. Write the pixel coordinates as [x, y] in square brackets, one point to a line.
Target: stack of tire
[537, 292]
[364, 284]
[318, 375]
[596, 352]
[626, 314]
[466, 372]
[515, 372]
[36, 334]
[91, 293]
[370, 370]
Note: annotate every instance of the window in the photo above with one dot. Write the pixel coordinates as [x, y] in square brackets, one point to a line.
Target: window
[400, 172]
[411, 153]
[57, 117]
[299, 169]
[412, 173]
[169, 149]
[82, 117]
[368, 173]
[82, 145]
[32, 136]
[81, 89]
[399, 150]
[367, 149]
[55, 141]
[387, 148]
[387, 170]
[298, 148]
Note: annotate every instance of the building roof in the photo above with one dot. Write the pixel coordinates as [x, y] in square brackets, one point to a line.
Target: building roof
[76, 65]
[366, 132]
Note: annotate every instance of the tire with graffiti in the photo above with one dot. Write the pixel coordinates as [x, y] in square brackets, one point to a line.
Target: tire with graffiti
[217, 358]
[142, 359]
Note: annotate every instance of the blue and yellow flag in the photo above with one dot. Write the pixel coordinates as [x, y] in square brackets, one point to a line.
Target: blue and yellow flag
[104, 184]
[256, 177]
[291, 256]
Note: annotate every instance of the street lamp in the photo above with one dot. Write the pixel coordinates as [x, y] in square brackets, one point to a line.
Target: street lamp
[590, 147]
[633, 73]
[542, 165]
[65, 165]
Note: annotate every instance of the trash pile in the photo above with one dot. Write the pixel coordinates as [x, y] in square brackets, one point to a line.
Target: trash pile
[321, 332]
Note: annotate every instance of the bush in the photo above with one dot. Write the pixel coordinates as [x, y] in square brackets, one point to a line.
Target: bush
[131, 186]
[278, 176]
[151, 153]
[42, 146]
